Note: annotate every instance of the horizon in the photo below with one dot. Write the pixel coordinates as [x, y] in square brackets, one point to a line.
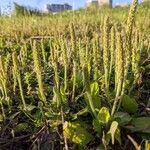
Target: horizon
[40, 4]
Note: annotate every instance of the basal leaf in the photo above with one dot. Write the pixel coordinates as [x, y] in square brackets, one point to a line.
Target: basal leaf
[97, 126]
[104, 115]
[81, 112]
[1, 118]
[94, 88]
[122, 118]
[76, 133]
[141, 124]
[30, 107]
[63, 96]
[129, 104]
[57, 97]
[147, 145]
[100, 147]
[22, 127]
[113, 131]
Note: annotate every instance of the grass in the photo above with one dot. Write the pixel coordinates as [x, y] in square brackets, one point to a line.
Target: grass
[76, 80]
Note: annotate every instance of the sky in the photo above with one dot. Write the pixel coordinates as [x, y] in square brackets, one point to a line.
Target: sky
[41, 3]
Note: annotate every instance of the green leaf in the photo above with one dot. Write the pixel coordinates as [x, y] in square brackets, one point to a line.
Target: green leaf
[13, 116]
[129, 104]
[145, 136]
[118, 136]
[147, 145]
[56, 97]
[30, 107]
[38, 116]
[104, 115]
[141, 125]
[94, 87]
[81, 112]
[63, 96]
[100, 147]
[122, 118]
[77, 133]
[113, 131]
[97, 126]
[1, 118]
[79, 79]
[21, 127]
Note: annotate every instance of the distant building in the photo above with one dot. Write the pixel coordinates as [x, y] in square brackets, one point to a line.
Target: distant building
[91, 2]
[105, 2]
[99, 2]
[58, 7]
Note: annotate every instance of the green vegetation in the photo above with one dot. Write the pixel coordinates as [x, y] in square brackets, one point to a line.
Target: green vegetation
[24, 11]
[76, 80]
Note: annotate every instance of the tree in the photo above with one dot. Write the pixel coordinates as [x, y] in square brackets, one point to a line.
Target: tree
[22, 10]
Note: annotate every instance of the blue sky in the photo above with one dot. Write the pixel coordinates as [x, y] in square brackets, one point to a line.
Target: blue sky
[41, 3]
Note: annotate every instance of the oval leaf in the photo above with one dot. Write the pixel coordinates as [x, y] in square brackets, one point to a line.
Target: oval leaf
[97, 126]
[114, 131]
[94, 88]
[141, 124]
[76, 133]
[122, 118]
[129, 104]
[104, 115]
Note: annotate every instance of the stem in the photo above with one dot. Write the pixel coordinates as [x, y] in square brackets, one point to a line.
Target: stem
[63, 122]
[117, 98]
[43, 51]
[91, 104]
[65, 77]
[21, 93]
[2, 108]
[74, 80]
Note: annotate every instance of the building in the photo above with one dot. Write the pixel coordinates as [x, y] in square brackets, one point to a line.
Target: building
[99, 2]
[58, 7]
[91, 2]
[105, 2]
